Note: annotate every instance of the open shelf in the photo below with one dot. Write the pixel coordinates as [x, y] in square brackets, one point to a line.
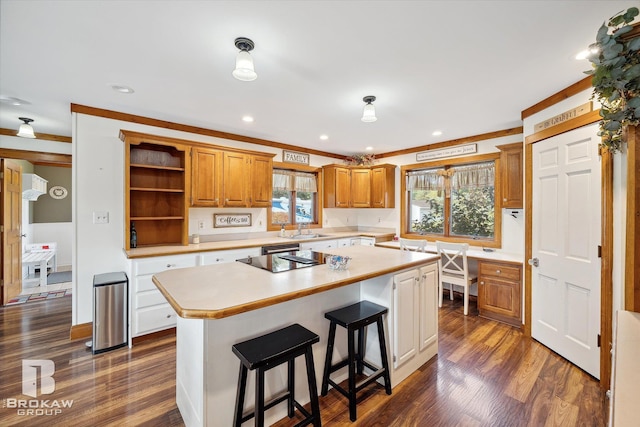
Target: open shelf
[156, 190]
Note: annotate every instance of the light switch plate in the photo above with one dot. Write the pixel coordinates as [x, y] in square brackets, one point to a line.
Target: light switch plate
[101, 217]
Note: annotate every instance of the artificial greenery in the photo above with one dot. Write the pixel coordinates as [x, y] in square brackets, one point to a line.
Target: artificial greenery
[361, 160]
[616, 77]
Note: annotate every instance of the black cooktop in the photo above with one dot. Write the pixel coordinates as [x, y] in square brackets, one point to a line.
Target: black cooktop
[285, 261]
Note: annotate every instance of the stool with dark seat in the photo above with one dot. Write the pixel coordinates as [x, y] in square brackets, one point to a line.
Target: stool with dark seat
[354, 318]
[266, 352]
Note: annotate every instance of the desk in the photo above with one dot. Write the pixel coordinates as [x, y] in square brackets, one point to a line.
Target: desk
[499, 282]
[41, 260]
[473, 253]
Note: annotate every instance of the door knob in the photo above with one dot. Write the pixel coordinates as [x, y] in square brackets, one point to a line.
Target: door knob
[534, 262]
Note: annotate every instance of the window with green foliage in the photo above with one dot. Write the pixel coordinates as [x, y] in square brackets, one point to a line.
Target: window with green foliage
[453, 201]
[294, 199]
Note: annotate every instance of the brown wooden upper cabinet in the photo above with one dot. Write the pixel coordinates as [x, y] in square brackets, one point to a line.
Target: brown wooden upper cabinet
[359, 186]
[511, 175]
[206, 181]
[157, 179]
[383, 181]
[223, 178]
[247, 180]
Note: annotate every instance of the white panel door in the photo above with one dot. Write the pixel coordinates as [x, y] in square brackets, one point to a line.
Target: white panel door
[565, 305]
[428, 305]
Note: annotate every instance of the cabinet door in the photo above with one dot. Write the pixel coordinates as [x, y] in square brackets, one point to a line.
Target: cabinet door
[343, 188]
[236, 180]
[405, 312]
[499, 292]
[261, 181]
[511, 167]
[383, 187]
[361, 188]
[206, 177]
[428, 305]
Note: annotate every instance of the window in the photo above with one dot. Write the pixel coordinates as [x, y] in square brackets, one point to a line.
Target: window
[295, 198]
[455, 201]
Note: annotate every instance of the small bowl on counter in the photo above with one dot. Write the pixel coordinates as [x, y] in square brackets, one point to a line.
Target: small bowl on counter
[338, 262]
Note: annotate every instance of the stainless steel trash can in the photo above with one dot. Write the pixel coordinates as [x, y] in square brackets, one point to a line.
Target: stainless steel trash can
[110, 309]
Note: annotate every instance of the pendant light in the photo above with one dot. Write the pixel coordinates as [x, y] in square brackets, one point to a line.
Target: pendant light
[26, 131]
[369, 111]
[244, 63]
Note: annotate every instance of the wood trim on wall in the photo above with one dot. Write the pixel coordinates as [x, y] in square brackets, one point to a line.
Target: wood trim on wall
[82, 330]
[606, 278]
[37, 157]
[453, 142]
[606, 269]
[528, 233]
[115, 115]
[568, 92]
[404, 215]
[632, 245]
[42, 136]
[569, 125]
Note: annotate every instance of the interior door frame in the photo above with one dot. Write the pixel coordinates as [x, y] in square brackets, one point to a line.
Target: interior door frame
[36, 157]
[606, 277]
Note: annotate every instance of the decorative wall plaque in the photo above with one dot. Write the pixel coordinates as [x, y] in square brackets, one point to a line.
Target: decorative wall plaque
[295, 157]
[458, 150]
[567, 115]
[232, 220]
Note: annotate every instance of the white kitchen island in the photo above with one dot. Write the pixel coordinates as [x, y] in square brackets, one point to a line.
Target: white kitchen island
[220, 305]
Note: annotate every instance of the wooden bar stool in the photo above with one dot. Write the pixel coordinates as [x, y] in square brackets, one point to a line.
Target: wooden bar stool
[266, 352]
[354, 318]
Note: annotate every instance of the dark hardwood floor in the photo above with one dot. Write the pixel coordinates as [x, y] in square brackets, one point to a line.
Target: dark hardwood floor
[486, 374]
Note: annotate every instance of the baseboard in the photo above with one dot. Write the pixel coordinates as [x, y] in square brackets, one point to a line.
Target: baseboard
[83, 330]
[153, 335]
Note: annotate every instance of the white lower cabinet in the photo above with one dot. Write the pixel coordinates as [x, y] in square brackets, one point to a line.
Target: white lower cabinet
[231, 255]
[150, 311]
[412, 320]
[319, 245]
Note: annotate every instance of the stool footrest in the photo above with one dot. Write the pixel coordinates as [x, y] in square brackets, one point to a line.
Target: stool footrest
[273, 402]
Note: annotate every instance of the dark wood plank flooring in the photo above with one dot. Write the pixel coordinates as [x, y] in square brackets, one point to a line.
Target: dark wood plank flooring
[486, 374]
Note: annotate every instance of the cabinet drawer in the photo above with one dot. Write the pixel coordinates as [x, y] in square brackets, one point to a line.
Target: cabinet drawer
[218, 257]
[144, 283]
[502, 271]
[149, 298]
[156, 265]
[153, 319]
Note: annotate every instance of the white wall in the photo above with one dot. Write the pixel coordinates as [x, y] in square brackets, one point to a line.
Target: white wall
[60, 233]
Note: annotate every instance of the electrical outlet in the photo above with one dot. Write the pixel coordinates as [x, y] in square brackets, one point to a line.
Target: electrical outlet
[101, 217]
[201, 224]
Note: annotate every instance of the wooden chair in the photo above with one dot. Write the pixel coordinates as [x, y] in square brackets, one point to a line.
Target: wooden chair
[454, 270]
[409, 244]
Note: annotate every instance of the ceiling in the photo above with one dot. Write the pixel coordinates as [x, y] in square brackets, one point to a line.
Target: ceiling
[462, 67]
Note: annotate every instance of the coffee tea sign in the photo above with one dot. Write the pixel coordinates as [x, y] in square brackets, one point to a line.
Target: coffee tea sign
[231, 220]
[295, 157]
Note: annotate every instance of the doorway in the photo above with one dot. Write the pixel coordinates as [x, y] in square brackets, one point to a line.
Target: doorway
[11, 252]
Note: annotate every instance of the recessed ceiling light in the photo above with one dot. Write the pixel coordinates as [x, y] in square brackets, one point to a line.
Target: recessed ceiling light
[324, 137]
[437, 133]
[13, 101]
[122, 89]
[247, 119]
[369, 148]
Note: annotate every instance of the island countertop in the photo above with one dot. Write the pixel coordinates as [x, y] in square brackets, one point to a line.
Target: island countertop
[223, 290]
